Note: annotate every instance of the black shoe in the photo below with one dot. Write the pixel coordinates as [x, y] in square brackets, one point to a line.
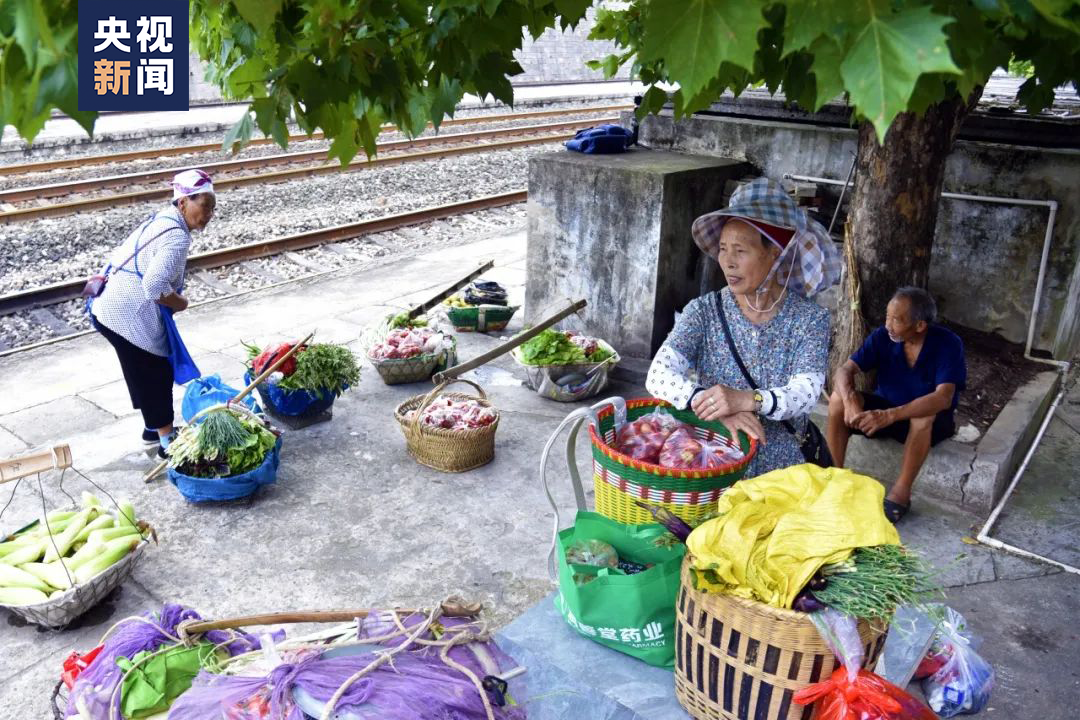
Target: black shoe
[161, 453]
[150, 437]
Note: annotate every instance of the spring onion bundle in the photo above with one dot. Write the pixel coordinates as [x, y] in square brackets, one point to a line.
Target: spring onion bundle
[873, 582]
[225, 443]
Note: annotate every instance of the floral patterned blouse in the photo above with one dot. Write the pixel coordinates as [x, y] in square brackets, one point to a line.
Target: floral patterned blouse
[787, 356]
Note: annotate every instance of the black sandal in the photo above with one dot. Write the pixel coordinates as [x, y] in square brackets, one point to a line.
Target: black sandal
[894, 511]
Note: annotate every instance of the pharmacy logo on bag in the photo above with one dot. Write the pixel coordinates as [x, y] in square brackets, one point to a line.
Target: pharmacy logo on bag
[652, 635]
[133, 56]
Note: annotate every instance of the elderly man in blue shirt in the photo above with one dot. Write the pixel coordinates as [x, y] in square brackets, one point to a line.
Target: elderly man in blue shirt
[920, 373]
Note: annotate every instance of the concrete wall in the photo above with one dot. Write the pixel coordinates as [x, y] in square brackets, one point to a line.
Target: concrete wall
[986, 256]
[615, 230]
[554, 57]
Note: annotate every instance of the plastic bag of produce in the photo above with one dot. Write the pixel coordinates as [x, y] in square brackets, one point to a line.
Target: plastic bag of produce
[592, 552]
[852, 693]
[962, 682]
[684, 449]
[643, 439]
[205, 392]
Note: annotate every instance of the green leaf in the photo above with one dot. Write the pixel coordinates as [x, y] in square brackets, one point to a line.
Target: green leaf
[808, 20]
[1063, 13]
[826, 69]
[652, 102]
[694, 37]
[31, 29]
[887, 58]
[260, 13]
[345, 145]
[444, 98]
[239, 134]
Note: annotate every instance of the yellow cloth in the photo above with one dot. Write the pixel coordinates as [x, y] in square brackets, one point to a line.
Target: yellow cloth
[776, 530]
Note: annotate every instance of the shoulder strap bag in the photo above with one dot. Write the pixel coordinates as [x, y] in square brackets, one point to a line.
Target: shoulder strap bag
[811, 442]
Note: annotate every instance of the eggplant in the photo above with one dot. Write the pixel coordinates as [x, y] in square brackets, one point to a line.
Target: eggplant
[675, 524]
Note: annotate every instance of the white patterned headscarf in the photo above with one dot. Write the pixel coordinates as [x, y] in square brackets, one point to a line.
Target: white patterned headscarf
[191, 182]
[810, 260]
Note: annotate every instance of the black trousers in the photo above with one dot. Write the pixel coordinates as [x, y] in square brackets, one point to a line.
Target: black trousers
[944, 426]
[149, 379]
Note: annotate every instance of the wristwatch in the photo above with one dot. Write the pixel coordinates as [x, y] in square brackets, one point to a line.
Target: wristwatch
[759, 401]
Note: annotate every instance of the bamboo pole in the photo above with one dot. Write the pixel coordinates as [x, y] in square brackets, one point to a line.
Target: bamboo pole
[243, 394]
[20, 466]
[449, 609]
[457, 370]
[457, 285]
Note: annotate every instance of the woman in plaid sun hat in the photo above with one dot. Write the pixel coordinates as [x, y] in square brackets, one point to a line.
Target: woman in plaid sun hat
[774, 258]
[147, 270]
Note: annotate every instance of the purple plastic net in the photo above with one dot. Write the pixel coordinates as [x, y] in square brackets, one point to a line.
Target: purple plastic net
[415, 685]
[92, 694]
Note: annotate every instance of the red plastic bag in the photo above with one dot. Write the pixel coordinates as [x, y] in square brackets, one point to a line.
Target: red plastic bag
[271, 355]
[75, 664]
[868, 697]
[643, 438]
[683, 449]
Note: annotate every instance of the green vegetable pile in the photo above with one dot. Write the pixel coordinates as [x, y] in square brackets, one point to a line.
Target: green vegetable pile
[402, 320]
[319, 368]
[553, 347]
[874, 581]
[223, 444]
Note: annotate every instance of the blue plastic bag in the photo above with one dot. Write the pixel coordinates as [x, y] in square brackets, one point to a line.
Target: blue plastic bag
[963, 683]
[205, 392]
[292, 403]
[184, 368]
[231, 488]
[603, 139]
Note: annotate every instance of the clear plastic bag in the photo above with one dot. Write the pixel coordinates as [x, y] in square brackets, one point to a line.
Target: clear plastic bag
[592, 552]
[962, 680]
[643, 439]
[683, 449]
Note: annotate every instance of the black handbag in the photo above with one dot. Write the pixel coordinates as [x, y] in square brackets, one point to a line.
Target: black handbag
[811, 442]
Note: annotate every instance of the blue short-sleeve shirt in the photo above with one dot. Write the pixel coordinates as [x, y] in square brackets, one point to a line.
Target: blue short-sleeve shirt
[940, 361]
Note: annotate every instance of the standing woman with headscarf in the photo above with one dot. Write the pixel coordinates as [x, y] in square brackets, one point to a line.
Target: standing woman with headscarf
[144, 272]
[774, 259]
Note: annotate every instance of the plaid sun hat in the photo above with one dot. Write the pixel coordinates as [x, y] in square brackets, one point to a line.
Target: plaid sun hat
[809, 262]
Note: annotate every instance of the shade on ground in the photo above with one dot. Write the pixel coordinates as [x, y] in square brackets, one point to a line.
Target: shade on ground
[1043, 514]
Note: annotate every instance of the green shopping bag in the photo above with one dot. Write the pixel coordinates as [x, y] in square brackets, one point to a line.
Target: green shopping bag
[634, 614]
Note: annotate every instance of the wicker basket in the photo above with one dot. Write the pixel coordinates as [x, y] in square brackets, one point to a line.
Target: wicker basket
[61, 610]
[619, 480]
[737, 659]
[398, 371]
[481, 318]
[543, 378]
[447, 450]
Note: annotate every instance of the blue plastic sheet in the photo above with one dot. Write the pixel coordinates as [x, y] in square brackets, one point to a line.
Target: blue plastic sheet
[230, 488]
[292, 403]
[602, 139]
[184, 368]
[205, 392]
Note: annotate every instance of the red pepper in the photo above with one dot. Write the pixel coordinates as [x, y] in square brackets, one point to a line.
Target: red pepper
[271, 355]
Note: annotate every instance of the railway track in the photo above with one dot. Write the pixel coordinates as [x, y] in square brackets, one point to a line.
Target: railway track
[474, 143]
[37, 300]
[92, 160]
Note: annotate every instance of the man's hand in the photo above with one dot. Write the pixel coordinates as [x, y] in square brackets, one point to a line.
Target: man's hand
[853, 407]
[720, 401]
[871, 421]
[747, 422]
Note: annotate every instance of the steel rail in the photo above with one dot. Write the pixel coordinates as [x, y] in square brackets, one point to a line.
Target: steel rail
[69, 290]
[90, 160]
[77, 206]
[72, 187]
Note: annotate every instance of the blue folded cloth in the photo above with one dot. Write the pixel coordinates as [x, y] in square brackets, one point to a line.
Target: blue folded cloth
[602, 139]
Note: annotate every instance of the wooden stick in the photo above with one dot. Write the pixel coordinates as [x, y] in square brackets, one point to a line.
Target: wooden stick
[55, 458]
[427, 305]
[449, 609]
[509, 345]
[243, 394]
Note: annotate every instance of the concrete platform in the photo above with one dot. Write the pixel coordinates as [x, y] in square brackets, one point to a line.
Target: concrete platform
[354, 522]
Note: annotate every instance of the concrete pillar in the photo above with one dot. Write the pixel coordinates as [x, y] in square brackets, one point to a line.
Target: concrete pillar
[615, 230]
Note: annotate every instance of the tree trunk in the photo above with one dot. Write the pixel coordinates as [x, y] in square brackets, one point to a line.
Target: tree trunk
[893, 213]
